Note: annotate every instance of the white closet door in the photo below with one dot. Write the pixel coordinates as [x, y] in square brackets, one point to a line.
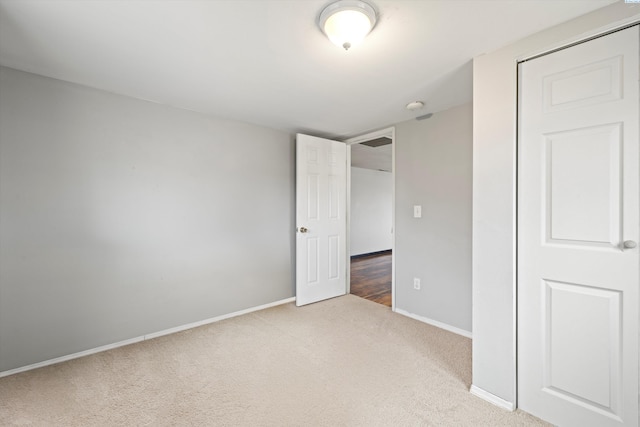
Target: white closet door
[578, 229]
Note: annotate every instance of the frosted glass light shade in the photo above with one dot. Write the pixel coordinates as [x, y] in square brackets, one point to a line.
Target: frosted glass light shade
[346, 23]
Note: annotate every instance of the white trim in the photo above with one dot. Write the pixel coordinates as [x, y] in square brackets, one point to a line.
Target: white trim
[388, 132]
[514, 243]
[492, 398]
[435, 323]
[142, 338]
[348, 218]
[217, 319]
[71, 356]
[393, 218]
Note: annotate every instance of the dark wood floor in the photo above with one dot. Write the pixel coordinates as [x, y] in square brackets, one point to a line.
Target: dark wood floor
[371, 277]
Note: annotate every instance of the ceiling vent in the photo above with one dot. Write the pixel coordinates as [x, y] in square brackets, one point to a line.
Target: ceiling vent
[378, 142]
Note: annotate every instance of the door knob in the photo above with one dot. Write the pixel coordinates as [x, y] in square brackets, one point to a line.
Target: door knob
[303, 229]
[629, 244]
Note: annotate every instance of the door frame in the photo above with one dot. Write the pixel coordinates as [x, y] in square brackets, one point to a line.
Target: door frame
[389, 132]
[596, 33]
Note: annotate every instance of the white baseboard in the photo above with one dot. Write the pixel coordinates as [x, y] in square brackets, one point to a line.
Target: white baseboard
[142, 338]
[435, 323]
[217, 319]
[71, 356]
[492, 398]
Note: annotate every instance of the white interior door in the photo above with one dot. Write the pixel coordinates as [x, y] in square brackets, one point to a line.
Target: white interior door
[320, 219]
[578, 224]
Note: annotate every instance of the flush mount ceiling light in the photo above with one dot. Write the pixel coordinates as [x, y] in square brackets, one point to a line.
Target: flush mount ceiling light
[346, 23]
[415, 105]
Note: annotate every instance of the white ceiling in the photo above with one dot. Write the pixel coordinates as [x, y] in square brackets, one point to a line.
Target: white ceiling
[265, 61]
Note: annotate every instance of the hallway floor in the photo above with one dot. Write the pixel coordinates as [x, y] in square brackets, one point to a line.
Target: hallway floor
[371, 277]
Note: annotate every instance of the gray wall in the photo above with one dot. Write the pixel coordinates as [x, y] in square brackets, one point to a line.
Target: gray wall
[494, 172]
[433, 169]
[371, 209]
[121, 217]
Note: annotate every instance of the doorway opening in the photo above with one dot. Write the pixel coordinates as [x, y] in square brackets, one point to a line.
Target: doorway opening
[370, 199]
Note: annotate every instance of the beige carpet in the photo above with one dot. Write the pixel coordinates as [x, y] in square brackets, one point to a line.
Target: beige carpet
[342, 362]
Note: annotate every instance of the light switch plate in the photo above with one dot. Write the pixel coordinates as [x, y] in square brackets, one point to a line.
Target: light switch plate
[417, 211]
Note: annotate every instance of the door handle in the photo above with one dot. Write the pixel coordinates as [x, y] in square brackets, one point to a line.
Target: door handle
[629, 244]
[303, 229]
